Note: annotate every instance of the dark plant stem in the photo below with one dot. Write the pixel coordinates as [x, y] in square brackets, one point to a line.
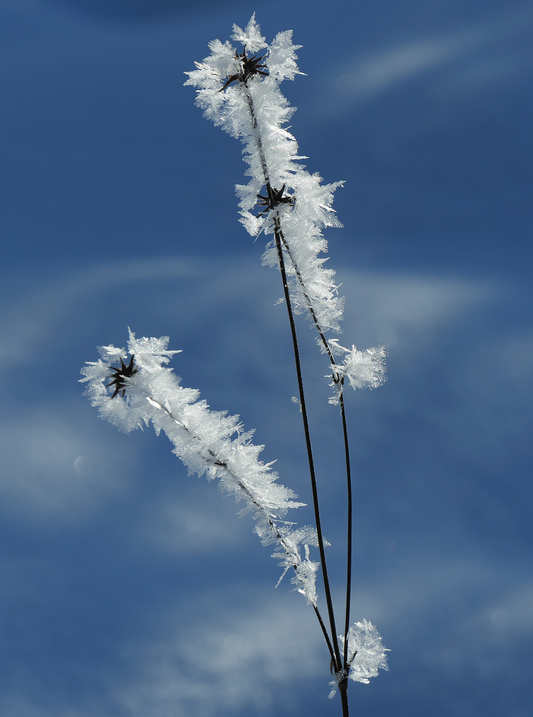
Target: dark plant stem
[333, 645]
[349, 538]
[312, 473]
[325, 633]
[211, 459]
[340, 382]
[343, 690]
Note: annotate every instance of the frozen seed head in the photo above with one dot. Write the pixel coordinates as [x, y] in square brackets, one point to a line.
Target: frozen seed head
[249, 66]
[120, 375]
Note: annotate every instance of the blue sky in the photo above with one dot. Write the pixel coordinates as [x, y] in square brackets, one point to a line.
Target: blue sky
[131, 589]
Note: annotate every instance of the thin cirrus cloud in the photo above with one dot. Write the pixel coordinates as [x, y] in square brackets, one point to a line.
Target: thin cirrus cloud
[385, 301]
[473, 47]
[277, 635]
[392, 308]
[48, 468]
[36, 317]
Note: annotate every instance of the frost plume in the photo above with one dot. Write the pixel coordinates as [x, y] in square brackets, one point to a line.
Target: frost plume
[251, 107]
[207, 442]
[256, 111]
[363, 369]
[366, 654]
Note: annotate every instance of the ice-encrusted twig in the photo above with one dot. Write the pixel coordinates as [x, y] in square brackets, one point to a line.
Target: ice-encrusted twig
[207, 442]
[255, 111]
[252, 108]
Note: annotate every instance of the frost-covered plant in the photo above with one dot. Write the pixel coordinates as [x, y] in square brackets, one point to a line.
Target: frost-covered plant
[204, 442]
[239, 90]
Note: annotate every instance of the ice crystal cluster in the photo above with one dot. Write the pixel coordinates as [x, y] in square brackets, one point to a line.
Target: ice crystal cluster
[256, 111]
[208, 442]
[366, 654]
[363, 369]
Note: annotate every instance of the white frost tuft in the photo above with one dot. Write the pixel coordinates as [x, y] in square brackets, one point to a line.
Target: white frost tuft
[254, 110]
[363, 369]
[207, 442]
[366, 654]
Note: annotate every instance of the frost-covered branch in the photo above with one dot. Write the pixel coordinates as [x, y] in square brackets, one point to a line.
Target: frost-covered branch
[240, 92]
[208, 442]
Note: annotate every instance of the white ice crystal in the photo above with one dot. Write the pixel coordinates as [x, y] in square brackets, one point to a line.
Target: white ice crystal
[208, 442]
[366, 654]
[363, 369]
[254, 110]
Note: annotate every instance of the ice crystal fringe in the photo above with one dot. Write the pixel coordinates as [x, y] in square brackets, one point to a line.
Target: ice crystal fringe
[254, 110]
[239, 91]
[363, 369]
[207, 442]
[366, 654]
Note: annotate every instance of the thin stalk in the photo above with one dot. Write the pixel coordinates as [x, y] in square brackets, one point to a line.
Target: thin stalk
[343, 690]
[312, 473]
[280, 245]
[349, 539]
[349, 531]
[278, 237]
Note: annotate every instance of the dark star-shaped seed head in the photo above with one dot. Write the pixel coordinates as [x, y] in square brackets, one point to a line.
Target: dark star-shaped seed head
[249, 66]
[273, 199]
[122, 373]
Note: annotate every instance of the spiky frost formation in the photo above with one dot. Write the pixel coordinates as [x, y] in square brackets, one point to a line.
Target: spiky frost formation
[252, 108]
[363, 369]
[255, 111]
[366, 654]
[208, 442]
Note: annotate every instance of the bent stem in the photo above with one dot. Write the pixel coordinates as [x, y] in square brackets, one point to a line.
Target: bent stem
[211, 457]
[281, 245]
[336, 380]
[307, 433]
[278, 238]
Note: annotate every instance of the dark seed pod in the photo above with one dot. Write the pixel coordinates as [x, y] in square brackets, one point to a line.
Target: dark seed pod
[125, 371]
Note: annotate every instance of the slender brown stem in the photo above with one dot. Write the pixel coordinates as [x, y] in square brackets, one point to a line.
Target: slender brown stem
[282, 245]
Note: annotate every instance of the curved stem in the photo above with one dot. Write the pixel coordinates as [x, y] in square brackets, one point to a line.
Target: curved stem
[312, 473]
[349, 532]
[349, 538]
[213, 460]
[282, 245]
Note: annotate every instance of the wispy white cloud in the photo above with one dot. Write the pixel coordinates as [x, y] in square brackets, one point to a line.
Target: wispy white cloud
[256, 655]
[473, 45]
[376, 74]
[32, 319]
[242, 659]
[185, 526]
[488, 642]
[395, 308]
[52, 465]
[386, 300]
